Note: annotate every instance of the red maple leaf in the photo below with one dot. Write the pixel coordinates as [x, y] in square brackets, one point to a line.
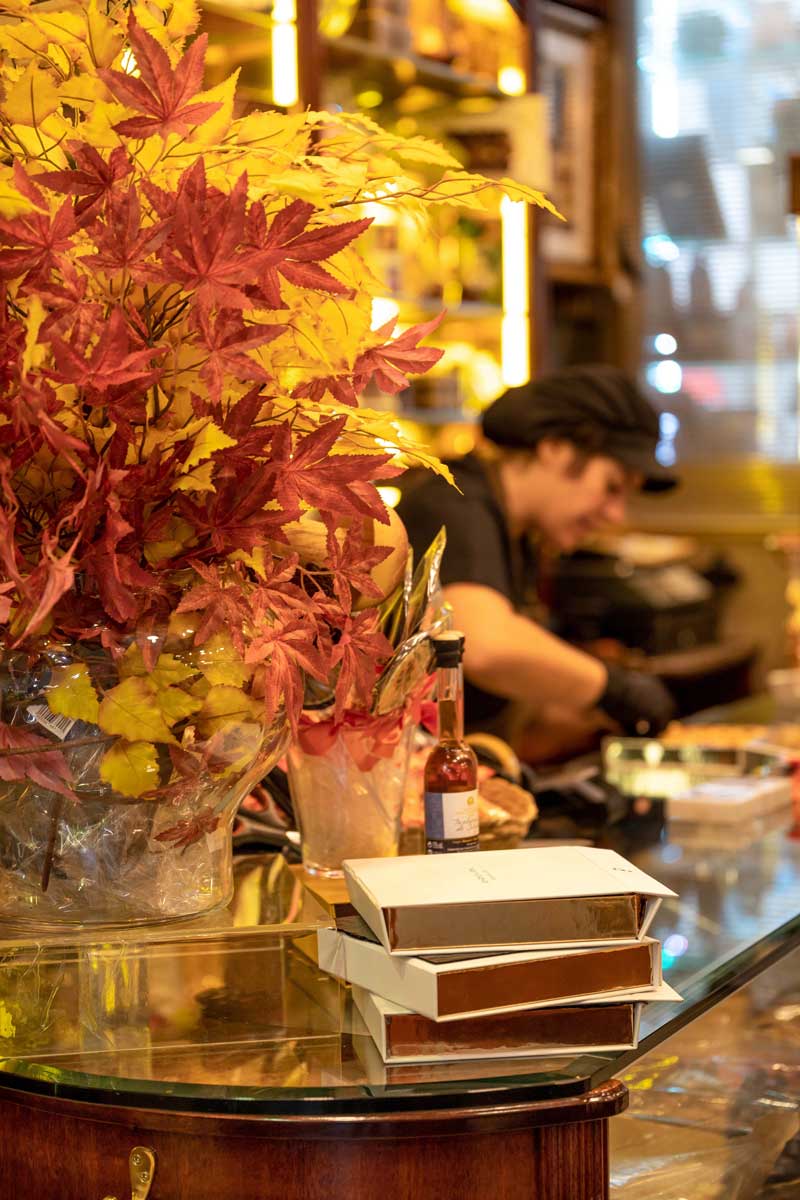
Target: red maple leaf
[38, 761]
[305, 470]
[241, 415]
[359, 651]
[206, 253]
[91, 179]
[287, 248]
[288, 649]
[110, 363]
[392, 362]
[121, 242]
[31, 411]
[35, 239]
[235, 517]
[162, 94]
[339, 386]
[227, 340]
[350, 562]
[6, 602]
[69, 306]
[185, 833]
[222, 603]
[47, 583]
[125, 588]
[12, 340]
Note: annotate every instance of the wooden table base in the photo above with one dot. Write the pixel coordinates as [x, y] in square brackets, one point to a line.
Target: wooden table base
[65, 1150]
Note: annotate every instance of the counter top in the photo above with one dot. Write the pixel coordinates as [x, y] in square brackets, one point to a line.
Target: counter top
[229, 1015]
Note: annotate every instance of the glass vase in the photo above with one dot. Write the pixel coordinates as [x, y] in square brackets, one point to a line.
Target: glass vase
[90, 854]
[347, 785]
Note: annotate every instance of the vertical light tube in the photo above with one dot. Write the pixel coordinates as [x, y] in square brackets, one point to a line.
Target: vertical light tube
[285, 73]
[516, 361]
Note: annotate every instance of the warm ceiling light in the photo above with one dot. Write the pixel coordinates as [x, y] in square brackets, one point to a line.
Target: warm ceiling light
[283, 36]
[511, 81]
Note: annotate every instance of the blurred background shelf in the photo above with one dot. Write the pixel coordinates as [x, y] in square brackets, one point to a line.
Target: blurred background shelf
[347, 50]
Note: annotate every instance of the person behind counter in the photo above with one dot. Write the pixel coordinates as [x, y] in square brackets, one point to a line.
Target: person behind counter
[561, 457]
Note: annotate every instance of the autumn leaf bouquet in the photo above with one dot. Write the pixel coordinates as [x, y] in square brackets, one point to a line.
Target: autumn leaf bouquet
[190, 528]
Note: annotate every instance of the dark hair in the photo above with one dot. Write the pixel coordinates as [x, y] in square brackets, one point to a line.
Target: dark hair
[587, 440]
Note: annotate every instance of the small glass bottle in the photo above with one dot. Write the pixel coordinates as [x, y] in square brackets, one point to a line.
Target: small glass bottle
[451, 772]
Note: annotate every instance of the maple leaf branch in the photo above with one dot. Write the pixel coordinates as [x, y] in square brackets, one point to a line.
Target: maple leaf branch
[169, 404]
[10, 132]
[157, 414]
[58, 747]
[160, 330]
[45, 155]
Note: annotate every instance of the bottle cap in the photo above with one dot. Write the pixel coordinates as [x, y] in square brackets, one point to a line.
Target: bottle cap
[448, 648]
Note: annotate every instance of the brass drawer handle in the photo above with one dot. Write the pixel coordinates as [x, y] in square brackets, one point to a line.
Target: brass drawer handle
[142, 1166]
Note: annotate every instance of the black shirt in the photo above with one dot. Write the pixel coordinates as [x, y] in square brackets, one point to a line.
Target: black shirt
[479, 549]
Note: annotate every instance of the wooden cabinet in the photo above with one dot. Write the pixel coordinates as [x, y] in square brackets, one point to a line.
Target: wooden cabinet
[63, 1148]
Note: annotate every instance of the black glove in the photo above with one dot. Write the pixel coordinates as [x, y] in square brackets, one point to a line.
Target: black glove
[639, 703]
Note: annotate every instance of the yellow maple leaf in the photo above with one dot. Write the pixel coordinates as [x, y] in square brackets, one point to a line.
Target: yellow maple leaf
[177, 535]
[79, 91]
[61, 28]
[103, 38]
[214, 129]
[130, 767]
[210, 439]
[224, 706]
[273, 131]
[418, 150]
[198, 480]
[43, 141]
[176, 705]
[32, 98]
[72, 693]
[98, 124]
[168, 669]
[12, 202]
[33, 353]
[520, 191]
[221, 663]
[131, 710]
[168, 23]
[254, 561]
[21, 41]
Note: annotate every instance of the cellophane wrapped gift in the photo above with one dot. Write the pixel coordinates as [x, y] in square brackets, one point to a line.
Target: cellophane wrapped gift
[142, 831]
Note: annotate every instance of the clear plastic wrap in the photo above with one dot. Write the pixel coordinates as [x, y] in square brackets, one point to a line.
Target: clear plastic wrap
[348, 784]
[83, 851]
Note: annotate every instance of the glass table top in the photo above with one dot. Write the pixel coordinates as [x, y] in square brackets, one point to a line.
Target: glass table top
[230, 1014]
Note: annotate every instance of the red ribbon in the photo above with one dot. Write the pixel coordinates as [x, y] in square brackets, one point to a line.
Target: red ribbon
[368, 738]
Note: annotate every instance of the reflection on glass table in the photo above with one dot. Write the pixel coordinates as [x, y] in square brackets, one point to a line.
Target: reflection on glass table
[239, 1018]
[714, 1110]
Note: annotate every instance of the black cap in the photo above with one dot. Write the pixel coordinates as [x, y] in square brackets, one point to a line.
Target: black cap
[448, 648]
[601, 400]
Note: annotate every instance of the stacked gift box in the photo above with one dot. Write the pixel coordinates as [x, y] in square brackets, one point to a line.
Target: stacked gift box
[498, 954]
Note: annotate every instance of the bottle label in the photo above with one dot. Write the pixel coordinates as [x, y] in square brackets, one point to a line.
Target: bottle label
[451, 820]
